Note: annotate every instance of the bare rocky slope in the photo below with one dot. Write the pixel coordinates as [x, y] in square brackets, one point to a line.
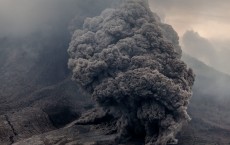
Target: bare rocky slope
[44, 117]
[39, 102]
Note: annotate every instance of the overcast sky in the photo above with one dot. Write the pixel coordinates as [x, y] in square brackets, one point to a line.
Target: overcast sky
[20, 17]
[210, 18]
[208, 22]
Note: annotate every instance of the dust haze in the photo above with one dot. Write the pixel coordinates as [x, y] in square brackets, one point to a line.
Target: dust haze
[26, 16]
[109, 47]
[34, 35]
[208, 19]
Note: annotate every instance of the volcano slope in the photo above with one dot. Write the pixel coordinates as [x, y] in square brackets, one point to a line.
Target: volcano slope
[208, 109]
[36, 93]
[41, 114]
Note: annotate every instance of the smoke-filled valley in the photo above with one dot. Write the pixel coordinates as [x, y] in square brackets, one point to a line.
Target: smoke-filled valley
[41, 105]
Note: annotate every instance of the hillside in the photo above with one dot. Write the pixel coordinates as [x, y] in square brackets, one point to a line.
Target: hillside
[209, 107]
[55, 106]
[39, 103]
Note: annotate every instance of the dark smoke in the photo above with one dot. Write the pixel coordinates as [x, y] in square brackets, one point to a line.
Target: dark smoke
[30, 39]
[131, 65]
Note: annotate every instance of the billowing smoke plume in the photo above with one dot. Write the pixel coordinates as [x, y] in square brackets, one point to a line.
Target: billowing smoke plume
[133, 71]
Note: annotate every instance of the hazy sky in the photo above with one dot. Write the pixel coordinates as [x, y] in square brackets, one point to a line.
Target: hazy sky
[208, 22]
[19, 17]
[210, 18]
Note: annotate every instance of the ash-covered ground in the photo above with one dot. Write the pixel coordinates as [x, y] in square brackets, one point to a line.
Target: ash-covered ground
[41, 105]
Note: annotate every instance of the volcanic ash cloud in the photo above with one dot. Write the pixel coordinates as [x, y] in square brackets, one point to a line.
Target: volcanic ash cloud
[130, 62]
